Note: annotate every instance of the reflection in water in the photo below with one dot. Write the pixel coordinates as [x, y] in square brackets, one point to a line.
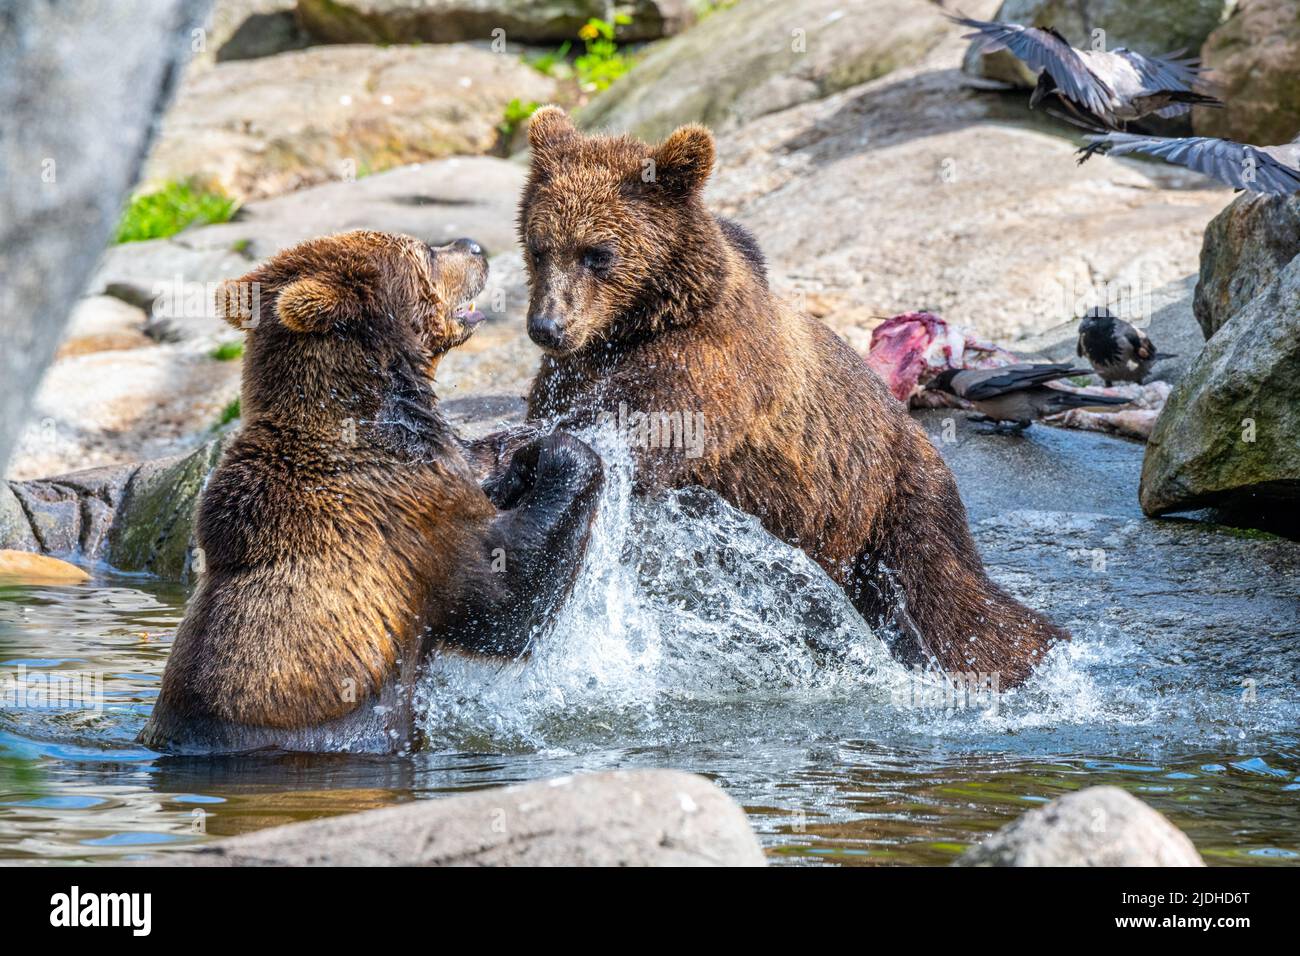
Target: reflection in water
[693, 641]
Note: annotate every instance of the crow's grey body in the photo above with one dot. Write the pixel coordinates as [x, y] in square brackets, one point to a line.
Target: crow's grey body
[1099, 88]
[1262, 169]
[1018, 393]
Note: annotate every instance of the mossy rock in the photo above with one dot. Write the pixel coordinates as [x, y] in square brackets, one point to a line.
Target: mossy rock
[153, 529]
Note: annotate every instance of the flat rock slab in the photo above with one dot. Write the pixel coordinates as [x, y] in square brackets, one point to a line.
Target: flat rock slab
[1099, 826]
[258, 128]
[623, 818]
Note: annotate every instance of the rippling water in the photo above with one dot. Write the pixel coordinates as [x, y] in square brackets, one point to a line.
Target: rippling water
[695, 641]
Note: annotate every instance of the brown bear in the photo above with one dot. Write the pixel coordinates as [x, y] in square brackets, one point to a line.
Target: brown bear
[342, 536]
[646, 304]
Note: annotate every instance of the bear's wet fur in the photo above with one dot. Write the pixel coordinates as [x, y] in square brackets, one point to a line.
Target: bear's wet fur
[342, 537]
[641, 298]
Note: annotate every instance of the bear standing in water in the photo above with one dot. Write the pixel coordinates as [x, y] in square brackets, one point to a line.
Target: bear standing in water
[342, 536]
[643, 301]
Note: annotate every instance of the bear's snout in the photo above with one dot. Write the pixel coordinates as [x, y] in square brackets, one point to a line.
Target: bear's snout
[546, 330]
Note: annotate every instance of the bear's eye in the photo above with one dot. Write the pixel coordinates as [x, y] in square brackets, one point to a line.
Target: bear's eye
[598, 259]
[535, 252]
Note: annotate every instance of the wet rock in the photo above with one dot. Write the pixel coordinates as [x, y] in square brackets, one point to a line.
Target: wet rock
[1255, 58]
[446, 21]
[1227, 435]
[623, 818]
[20, 567]
[1152, 27]
[1099, 826]
[1245, 248]
[763, 56]
[15, 527]
[259, 128]
[153, 528]
[79, 96]
[71, 514]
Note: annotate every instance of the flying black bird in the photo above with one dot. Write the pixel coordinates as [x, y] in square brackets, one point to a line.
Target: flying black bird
[1018, 393]
[1262, 169]
[1097, 87]
[1118, 352]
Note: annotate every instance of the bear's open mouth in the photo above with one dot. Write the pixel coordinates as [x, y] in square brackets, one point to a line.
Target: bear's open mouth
[466, 314]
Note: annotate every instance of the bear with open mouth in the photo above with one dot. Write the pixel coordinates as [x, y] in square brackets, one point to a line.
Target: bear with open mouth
[646, 304]
[342, 536]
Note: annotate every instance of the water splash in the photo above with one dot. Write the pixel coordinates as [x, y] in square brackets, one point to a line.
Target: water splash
[682, 603]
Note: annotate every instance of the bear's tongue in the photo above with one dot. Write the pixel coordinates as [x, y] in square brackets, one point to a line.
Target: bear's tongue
[469, 315]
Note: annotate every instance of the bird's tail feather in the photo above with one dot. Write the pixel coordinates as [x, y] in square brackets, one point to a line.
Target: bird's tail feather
[1068, 400]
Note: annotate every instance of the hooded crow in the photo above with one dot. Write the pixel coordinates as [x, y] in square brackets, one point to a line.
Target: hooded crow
[1018, 393]
[1262, 169]
[1118, 352]
[1097, 87]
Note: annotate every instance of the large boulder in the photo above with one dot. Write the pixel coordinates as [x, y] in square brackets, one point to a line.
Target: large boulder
[1255, 57]
[446, 21]
[82, 85]
[1245, 248]
[761, 56]
[1227, 435]
[1099, 826]
[262, 127]
[622, 818]
[1152, 26]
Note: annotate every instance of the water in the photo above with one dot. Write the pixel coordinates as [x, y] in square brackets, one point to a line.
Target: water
[695, 641]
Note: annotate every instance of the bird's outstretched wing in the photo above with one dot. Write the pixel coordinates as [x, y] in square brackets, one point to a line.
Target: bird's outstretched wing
[1169, 72]
[1010, 378]
[1240, 165]
[1045, 49]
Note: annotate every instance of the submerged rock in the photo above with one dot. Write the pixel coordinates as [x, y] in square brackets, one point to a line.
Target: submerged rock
[1099, 826]
[1153, 27]
[1255, 59]
[22, 567]
[623, 818]
[763, 56]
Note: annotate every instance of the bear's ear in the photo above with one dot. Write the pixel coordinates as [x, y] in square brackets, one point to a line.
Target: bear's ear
[312, 304]
[549, 127]
[239, 301]
[683, 161]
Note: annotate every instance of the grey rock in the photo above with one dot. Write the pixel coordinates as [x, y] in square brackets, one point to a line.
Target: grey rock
[15, 527]
[83, 83]
[153, 527]
[258, 128]
[763, 56]
[446, 21]
[1245, 248]
[1254, 58]
[1099, 826]
[623, 818]
[1152, 27]
[264, 33]
[1227, 435]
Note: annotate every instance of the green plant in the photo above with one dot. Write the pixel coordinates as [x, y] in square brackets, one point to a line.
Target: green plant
[166, 211]
[548, 62]
[517, 111]
[603, 63]
[228, 415]
[228, 351]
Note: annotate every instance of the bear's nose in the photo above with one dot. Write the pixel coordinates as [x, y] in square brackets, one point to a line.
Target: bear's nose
[468, 245]
[545, 331]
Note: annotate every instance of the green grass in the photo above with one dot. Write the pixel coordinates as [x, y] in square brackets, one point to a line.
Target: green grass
[228, 351]
[548, 63]
[228, 415]
[168, 210]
